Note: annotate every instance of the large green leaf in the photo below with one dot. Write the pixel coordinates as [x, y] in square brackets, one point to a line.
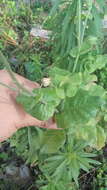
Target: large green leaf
[43, 111]
[87, 133]
[60, 92]
[59, 76]
[97, 90]
[74, 83]
[97, 62]
[52, 141]
[79, 109]
[47, 104]
[67, 84]
[28, 102]
[77, 81]
[35, 136]
[43, 105]
[71, 90]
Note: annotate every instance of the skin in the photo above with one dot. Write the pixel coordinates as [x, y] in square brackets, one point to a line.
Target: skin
[12, 114]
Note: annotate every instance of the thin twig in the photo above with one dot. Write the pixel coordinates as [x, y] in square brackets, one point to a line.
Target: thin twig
[93, 170]
[5, 85]
[8, 68]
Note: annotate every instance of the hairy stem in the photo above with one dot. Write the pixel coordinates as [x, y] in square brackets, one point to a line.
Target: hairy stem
[8, 68]
[5, 85]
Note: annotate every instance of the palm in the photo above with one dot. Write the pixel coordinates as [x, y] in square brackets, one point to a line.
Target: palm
[12, 115]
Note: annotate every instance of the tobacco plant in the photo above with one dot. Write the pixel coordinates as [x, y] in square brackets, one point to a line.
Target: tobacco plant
[74, 99]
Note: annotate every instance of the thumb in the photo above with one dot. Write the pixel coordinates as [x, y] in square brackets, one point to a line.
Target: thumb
[31, 121]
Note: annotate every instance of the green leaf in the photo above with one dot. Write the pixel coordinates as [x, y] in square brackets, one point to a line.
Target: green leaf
[96, 90]
[101, 138]
[87, 133]
[60, 93]
[75, 170]
[51, 164]
[71, 90]
[28, 102]
[105, 117]
[59, 76]
[74, 83]
[47, 104]
[95, 24]
[43, 105]
[85, 47]
[60, 170]
[99, 61]
[88, 78]
[43, 111]
[78, 109]
[67, 164]
[52, 141]
[83, 167]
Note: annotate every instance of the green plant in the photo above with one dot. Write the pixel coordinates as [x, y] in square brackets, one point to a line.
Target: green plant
[74, 99]
[71, 22]
[100, 178]
[67, 164]
[44, 4]
[82, 100]
[27, 55]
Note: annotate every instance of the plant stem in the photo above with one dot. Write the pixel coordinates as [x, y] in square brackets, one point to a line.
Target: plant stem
[29, 138]
[5, 85]
[81, 35]
[76, 61]
[85, 23]
[79, 24]
[8, 68]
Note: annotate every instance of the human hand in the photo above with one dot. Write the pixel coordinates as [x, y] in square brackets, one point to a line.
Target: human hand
[12, 114]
